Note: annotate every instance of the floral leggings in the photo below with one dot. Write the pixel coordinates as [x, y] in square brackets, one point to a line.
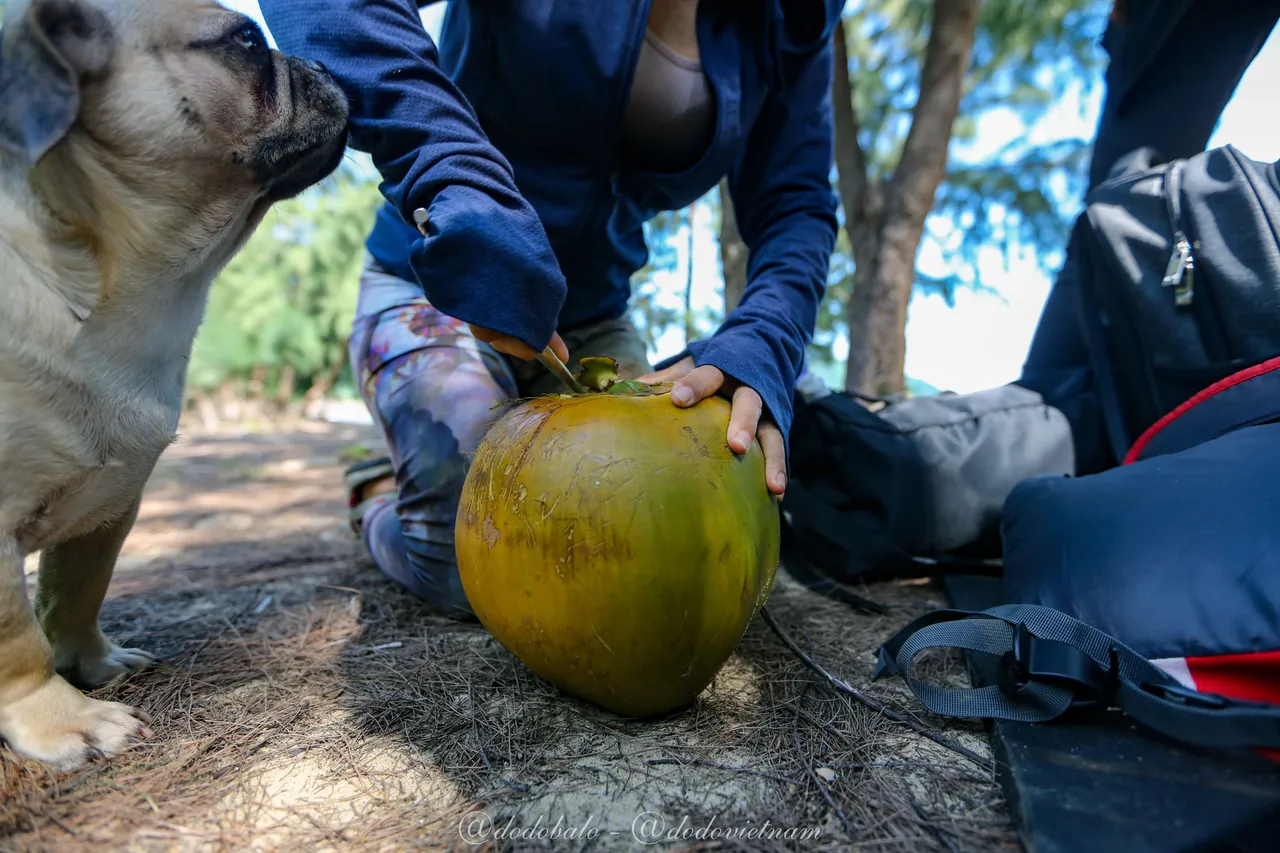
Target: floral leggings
[431, 388]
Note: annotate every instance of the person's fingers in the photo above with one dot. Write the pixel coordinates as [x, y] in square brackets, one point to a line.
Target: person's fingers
[558, 347]
[775, 457]
[699, 384]
[514, 347]
[743, 419]
[669, 374]
[483, 334]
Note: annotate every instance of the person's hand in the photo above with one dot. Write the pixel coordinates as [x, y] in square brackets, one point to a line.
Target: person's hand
[746, 421]
[516, 347]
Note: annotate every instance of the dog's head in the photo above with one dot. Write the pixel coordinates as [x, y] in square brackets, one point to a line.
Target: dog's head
[159, 131]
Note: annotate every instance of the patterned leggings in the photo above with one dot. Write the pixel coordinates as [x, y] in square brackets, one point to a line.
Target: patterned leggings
[431, 387]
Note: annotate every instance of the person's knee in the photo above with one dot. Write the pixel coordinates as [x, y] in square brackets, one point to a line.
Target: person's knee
[434, 577]
[435, 405]
[425, 569]
[435, 413]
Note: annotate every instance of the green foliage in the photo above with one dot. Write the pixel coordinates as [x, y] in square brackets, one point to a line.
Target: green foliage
[1028, 54]
[288, 298]
[1008, 202]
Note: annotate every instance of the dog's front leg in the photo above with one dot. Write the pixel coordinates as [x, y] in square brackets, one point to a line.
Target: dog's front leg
[41, 715]
[72, 584]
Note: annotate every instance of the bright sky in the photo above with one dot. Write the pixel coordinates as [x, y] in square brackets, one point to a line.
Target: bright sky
[981, 342]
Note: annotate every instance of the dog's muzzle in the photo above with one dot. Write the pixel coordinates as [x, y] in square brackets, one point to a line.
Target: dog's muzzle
[312, 145]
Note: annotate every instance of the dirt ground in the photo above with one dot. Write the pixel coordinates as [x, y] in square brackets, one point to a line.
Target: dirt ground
[303, 702]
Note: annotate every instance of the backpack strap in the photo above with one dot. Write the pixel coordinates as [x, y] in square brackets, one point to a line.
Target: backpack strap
[1050, 662]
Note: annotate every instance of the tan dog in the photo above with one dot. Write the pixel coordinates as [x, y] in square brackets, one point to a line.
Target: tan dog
[141, 142]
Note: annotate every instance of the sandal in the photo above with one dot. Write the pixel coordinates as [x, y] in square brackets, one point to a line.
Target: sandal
[355, 478]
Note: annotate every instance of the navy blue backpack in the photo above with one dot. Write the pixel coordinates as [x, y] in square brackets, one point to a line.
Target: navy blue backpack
[1154, 586]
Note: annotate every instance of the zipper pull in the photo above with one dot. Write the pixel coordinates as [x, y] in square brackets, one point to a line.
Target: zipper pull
[1180, 273]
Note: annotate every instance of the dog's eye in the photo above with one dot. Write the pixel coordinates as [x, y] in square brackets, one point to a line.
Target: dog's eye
[250, 39]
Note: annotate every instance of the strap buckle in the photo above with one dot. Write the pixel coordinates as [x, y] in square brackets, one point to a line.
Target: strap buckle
[1189, 698]
[1035, 659]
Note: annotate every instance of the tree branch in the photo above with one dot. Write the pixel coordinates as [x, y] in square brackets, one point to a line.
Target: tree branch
[876, 705]
[924, 155]
[851, 160]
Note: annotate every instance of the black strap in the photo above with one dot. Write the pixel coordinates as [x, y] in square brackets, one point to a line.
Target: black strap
[1050, 662]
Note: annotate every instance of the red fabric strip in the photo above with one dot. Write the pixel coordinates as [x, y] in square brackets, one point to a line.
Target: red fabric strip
[1254, 677]
[1217, 387]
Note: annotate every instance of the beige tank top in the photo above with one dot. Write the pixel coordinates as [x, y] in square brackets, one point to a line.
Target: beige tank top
[670, 115]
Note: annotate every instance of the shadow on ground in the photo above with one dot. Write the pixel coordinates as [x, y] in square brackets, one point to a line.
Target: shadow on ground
[306, 703]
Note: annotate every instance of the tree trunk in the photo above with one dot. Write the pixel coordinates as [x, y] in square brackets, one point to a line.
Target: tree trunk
[207, 411]
[257, 383]
[255, 393]
[286, 386]
[228, 401]
[323, 384]
[859, 370]
[861, 214]
[888, 221]
[690, 328]
[733, 252]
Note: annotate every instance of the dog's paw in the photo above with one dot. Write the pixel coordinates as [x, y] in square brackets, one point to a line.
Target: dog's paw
[63, 728]
[94, 663]
[117, 661]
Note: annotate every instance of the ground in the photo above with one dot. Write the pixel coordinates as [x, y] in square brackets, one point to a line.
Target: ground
[304, 702]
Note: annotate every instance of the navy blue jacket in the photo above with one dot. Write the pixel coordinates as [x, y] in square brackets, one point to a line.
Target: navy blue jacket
[508, 135]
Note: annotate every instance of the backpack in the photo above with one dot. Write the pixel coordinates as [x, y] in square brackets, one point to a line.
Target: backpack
[1180, 296]
[1152, 587]
[912, 489]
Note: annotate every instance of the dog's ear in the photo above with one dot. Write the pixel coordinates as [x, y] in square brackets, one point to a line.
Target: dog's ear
[47, 47]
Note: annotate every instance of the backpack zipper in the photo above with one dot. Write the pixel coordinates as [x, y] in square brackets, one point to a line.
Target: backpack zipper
[1180, 271]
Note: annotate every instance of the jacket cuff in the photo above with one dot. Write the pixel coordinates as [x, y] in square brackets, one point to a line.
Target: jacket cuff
[488, 264]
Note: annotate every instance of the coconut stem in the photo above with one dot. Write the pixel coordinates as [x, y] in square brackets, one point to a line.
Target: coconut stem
[599, 375]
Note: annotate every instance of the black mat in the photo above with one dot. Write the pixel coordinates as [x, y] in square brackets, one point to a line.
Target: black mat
[1103, 785]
